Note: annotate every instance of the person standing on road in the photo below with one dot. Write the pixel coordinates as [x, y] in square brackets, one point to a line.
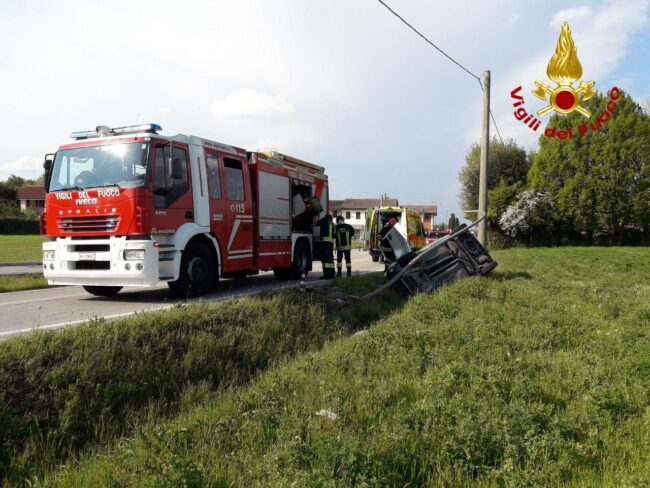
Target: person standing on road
[344, 235]
[327, 239]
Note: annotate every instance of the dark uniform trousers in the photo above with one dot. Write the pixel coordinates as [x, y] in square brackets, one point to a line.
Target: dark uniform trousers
[344, 234]
[328, 231]
[340, 254]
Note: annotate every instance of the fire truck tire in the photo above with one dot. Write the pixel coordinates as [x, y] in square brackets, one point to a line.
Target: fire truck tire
[300, 266]
[301, 260]
[197, 272]
[102, 291]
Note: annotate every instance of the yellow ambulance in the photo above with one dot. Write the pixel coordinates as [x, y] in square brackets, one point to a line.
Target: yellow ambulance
[408, 223]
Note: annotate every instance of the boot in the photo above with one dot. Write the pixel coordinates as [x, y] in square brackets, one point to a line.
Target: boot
[349, 273]
[338, 273]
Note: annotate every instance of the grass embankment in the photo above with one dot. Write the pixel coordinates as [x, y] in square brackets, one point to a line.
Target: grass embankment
[21, 282]
[536, 376]
[21, 248]
[67, 390]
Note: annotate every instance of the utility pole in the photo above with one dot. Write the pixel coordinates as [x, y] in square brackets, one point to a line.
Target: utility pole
[485, 144]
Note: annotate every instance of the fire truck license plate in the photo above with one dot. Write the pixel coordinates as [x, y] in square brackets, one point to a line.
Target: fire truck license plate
[86, 256]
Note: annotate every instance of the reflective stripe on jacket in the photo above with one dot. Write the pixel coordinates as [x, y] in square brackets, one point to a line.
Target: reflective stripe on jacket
[327, 231]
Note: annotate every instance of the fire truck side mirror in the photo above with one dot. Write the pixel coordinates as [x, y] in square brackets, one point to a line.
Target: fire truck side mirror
[47, 167]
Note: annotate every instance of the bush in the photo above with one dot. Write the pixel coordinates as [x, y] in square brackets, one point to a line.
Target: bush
[18, 225]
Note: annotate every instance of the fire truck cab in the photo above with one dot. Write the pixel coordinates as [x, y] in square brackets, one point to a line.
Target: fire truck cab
[130, 207]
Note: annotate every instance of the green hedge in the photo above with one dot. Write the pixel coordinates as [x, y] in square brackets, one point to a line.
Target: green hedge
[17, 225]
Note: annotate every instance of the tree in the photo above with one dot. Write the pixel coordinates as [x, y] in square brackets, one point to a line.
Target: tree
[600, 181]
[508, 165]
[8, 194]
[453, 221]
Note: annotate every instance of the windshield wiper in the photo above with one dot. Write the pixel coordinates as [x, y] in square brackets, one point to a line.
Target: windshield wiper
[108, 185]
[77, 188]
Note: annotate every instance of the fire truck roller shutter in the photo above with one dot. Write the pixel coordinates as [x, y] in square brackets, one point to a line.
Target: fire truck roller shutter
[274, 207]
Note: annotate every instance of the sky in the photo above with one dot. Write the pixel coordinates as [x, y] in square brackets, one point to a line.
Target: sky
[341, 83]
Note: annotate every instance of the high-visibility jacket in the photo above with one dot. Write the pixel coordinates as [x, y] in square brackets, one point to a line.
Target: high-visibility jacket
[344, 235]
[327, 231]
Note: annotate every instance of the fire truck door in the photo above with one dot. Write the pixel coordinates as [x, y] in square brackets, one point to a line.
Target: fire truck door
[237, 250]
[172, 198]
[218, 223]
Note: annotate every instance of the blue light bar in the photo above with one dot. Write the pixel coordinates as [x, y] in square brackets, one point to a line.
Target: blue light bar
[103, 131]
[129, 129]
[84, 134]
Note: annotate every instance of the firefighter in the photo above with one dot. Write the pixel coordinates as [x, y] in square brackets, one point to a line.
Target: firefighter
[344, 235]
[327, 239]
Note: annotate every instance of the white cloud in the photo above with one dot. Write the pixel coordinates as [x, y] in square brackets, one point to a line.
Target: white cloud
[25, 166]
[249, 103]
[513, 19]
[570, 14]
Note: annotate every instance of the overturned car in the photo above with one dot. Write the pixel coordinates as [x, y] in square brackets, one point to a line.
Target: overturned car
[457, 255]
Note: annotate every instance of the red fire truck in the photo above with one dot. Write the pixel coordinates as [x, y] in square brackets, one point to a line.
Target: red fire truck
[128, 206]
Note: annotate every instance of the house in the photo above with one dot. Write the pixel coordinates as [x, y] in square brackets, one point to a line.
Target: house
[354, 210]
[31, 198]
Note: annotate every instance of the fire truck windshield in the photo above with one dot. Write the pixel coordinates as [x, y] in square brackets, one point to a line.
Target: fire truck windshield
[121, 165]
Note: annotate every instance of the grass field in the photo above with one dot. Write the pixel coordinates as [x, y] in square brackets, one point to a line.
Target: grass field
[538, 375]
[65, 391]
[14, 249]
[21, 282]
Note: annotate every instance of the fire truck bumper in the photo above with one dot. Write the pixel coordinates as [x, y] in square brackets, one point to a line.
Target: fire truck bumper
[116, 261]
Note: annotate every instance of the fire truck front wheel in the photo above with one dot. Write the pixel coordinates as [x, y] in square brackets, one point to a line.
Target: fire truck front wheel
[102, 291]
[197, 272]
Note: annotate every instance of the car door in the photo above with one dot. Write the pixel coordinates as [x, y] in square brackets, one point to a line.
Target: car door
[172, 198]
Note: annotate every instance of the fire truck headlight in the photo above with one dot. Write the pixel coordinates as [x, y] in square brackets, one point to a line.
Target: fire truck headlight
[134, 254]
[49, 255]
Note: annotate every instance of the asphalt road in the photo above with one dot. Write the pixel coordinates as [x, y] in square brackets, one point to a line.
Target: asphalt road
[51, 308]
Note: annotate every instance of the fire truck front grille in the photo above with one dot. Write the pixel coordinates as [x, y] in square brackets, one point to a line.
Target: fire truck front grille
[98, 223]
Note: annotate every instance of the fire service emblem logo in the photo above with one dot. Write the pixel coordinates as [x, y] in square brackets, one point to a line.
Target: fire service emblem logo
[564, 69]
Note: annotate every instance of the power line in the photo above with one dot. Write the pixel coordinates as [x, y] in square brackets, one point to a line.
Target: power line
[447, 56]
[428, 41]
[495, 126]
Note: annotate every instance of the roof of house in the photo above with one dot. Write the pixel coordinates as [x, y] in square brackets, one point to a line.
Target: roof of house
[31, 193]
[423, 208]
[361, 203]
